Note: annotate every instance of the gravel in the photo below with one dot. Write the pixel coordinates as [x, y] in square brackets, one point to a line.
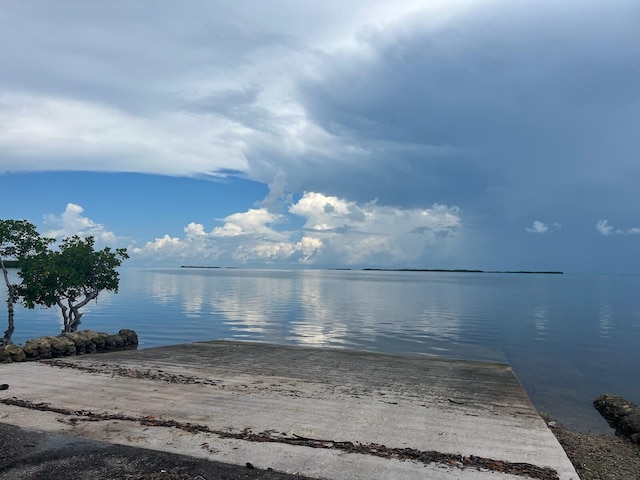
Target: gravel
[599, 456]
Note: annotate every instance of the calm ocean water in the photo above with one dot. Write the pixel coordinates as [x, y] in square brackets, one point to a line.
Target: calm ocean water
[568, 338]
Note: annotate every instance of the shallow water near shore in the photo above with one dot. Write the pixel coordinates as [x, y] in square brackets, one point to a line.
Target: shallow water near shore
[568, 338]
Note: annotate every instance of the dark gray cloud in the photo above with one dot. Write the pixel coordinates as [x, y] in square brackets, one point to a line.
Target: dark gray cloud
[531, 100]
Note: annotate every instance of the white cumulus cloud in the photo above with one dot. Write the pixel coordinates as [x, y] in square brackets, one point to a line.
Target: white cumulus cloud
[72, 222]
[194, 230]
[253, 222]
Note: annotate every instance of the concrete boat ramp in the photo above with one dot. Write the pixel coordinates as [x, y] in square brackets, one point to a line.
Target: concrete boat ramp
[319, 413]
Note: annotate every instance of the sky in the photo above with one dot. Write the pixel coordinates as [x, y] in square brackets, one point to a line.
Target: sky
[497, 135]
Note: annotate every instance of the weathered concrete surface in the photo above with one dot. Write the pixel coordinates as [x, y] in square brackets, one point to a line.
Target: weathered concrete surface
[322, 413]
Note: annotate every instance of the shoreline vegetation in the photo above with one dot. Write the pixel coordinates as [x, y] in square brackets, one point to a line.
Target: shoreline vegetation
[436, 270]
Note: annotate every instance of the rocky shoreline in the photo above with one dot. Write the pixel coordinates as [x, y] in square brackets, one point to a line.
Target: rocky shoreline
[69, 344]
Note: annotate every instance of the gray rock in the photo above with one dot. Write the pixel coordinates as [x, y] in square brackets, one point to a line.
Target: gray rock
[129, 336]
[38, 348]
[621, 414]
[99, 341]
[5, 357]
[113, 342]
[16, 352]
[62, 346]
[78, 340]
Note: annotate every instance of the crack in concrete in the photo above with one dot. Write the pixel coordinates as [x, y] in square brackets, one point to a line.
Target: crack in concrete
[374, 449]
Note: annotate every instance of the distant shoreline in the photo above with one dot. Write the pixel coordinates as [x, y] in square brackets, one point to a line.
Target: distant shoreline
[460, 270]
[436, 270]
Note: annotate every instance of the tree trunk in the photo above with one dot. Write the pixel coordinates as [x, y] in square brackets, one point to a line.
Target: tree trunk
[72, 320]
[65, 317]
[11, 300]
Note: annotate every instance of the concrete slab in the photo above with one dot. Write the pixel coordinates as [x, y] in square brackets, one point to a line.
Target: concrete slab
[322, 413]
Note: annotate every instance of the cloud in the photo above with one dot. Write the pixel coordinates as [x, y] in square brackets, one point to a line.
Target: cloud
[72, 222]
[511, 110]
[456, 111]
[278, 197]
[204, 248]
[335, 231]
[49, 133]
[254, 222]
[330, 213]
[359, 233]
[344, 97]
[540, 227]
[606, 229]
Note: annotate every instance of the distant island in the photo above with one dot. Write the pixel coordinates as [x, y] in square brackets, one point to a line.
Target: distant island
[202, 266]
[459, 270]
[196, 266]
